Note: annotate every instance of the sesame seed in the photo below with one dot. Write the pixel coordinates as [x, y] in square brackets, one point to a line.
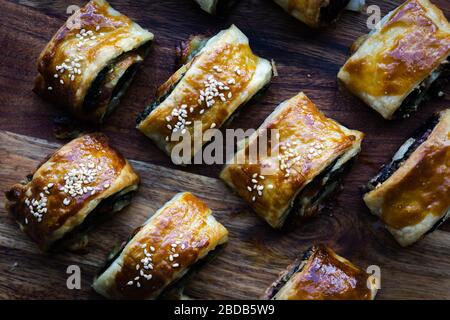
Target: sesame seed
[213, 125]
[175, 265]
[66, 201]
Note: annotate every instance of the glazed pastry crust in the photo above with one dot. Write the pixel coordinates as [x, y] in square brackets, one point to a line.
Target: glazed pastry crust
[307, 11]
[324, 276]
[412, 42]
[184, 229]
[113, 34]
[229, 50]
[92, 150]
[318, 142]
[416, 196]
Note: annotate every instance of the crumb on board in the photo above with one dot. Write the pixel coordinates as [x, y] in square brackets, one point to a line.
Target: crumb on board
[274, 68]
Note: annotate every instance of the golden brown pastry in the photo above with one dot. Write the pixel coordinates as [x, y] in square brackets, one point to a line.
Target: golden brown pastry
[322, 275]
[314, 13]
[82, 183]
[394, 69]
[220, 75]
[161, 251]
[91, 60]
[411, 194]
[313, 152]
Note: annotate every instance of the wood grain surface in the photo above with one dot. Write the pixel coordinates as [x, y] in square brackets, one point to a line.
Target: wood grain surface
[306, 60]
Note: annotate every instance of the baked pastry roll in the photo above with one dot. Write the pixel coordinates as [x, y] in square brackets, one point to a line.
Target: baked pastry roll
[394, 69]
[161, 251]
[321, 274]
[216, 7]
[221, 75]
[91, 60]
[307, 157]
[314, 13]
[411, 194]
[79, 185]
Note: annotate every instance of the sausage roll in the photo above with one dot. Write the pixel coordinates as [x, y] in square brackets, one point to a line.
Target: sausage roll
[221, 75]
[79, 185]
[91, 60]
[321, 274]
[314, 13]
[161, 251]
[216, 7]
[395, 67]
[411, 194]
[308, 154]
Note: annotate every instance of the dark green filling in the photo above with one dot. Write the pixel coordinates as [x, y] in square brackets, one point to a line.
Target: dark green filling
[330, 13]
[428, 89]
[121, 87]
[420, 136]
[93, 94]
[318, 189]
[117, 250]
[101, 213]
[294, 268]
[152, 106]
[187, 50]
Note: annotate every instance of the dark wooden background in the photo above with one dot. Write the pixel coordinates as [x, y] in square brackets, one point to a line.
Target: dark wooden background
[306, 60]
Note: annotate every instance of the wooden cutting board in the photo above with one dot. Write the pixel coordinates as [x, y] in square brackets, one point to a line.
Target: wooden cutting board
[306, 60]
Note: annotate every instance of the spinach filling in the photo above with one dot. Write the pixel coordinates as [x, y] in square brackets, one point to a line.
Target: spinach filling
[94, 92]
[307, 202]
[186, 51]
[294, 268]
[76, 239]
[112, 81]
[152, 106]
[403, 153]
[427, 89]
[331, 12]
[121, 88]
